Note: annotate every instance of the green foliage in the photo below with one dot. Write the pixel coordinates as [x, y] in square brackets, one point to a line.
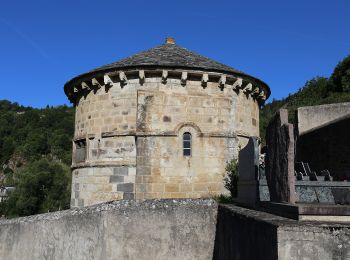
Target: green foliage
[231, 179]
[317, 91]
[8, 106]
[35, 133]
[225, 199]
[7, 147]
[340, 78]
[35, 155]
[42, 186]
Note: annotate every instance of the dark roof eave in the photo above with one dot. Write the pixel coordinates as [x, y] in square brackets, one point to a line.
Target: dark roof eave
[101, 72]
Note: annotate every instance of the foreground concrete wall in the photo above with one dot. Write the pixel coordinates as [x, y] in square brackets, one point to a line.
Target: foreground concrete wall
[168, 229]
[315, 116]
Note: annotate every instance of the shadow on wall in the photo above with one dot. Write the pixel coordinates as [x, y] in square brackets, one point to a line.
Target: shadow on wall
[239, 237]
[327, 147]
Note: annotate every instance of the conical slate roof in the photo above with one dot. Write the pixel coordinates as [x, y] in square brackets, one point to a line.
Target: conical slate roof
[169, 55]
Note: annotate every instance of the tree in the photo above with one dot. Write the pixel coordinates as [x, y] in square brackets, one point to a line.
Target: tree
[316, 91]
[341, 75]
[7, 147]
[42, 186]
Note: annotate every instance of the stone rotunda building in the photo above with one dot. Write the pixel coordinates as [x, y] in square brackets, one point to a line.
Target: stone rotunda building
[160, 124]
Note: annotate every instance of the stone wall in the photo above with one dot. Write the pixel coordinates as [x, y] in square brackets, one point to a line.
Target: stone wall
[99, 184]
[165, 229]
[327, 147]
[170, 229]
[155, 107]
[138, 126]
[163, 172]
[315, 116]
[106, 110]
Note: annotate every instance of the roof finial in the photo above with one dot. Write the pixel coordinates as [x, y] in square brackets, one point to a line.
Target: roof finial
[169, 40]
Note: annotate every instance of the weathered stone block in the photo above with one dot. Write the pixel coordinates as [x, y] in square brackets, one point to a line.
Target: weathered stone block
[151, 179]
[128, 196]
[125, 187]
[122, 170]
[80, 202]
[116, 179]
[143, 170]
[132, 171]
[185, 187]
[156, 187]
[200, 187]
[171, 187]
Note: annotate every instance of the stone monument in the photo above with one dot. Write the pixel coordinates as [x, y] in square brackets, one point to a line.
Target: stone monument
[280, 158]
[302, 194]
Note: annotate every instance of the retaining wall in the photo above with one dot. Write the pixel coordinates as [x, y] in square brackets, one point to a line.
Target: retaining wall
[169, 229]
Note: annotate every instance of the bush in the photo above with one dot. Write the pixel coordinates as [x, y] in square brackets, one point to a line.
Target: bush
[231, 179]
[225, 199]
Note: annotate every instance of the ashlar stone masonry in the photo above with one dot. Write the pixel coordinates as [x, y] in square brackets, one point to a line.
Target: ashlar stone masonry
[159, 124]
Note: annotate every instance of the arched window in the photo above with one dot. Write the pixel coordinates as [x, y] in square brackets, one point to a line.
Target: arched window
[187, 144]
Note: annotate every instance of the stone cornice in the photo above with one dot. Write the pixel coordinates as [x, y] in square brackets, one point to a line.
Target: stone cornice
[240, 84]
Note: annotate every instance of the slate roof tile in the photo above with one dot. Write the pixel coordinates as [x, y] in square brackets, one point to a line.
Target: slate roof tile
[169, 55]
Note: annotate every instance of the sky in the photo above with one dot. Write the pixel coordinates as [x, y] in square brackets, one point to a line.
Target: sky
[43, 44]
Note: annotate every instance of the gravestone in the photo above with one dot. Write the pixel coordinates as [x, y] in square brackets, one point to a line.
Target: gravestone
[280, 158]
[248, 167]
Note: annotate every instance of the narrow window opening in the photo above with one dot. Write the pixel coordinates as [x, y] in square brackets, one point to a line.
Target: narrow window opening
[187, 144]
[80, 150]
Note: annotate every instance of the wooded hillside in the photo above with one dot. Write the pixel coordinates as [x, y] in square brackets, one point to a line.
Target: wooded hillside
[317, 91]
[35, 156]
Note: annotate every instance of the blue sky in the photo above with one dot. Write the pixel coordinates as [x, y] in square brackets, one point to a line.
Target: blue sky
[43, 44]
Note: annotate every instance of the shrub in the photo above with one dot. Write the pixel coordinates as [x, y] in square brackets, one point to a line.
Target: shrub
[231, 178]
